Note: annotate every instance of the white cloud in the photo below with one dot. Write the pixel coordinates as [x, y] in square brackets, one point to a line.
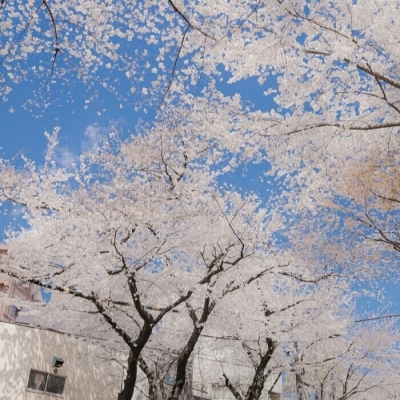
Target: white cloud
[65, 157]
[93, 136]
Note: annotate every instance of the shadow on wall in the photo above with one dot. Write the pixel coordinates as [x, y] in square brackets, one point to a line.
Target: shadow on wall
[25, 348]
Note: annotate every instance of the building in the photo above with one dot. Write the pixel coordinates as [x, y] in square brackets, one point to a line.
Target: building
[43, 364]
[39, 364]
[13, 288]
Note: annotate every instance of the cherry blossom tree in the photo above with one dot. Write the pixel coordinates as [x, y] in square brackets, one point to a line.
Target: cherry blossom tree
[361, 364]
[134, 231]
[353, 205]
[314, 311]
[262, 319]
[335, 69]
[330, 77]
[143, 235]
[370, 200]
[140, 229]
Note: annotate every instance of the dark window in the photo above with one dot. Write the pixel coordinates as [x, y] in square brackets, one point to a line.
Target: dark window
[55, 384]
[44, 382]
[14, 311]
[37, 380]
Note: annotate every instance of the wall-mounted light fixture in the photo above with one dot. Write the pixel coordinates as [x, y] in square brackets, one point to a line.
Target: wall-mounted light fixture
[57, 362]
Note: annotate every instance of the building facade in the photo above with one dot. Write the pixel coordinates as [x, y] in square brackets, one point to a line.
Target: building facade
[38, 364]
[13, 288]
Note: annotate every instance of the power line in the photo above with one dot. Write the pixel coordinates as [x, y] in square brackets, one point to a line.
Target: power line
[374, 318]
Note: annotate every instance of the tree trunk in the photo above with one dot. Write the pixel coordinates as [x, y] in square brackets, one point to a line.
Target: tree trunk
[299, 387]
[182, 365]
[130, 380]
[257, 385]
[188, 350]
[154, 379]
[134, 354]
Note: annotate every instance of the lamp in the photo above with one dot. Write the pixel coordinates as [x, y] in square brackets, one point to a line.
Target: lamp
[57, 362]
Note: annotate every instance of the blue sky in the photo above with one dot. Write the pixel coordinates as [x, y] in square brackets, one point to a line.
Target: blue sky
[22, 129]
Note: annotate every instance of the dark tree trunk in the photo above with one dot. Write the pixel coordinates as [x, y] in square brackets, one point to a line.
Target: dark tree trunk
[146, 330]
[257, 385]
[182, 365]
[155, 380]
[130, 380]
[184, 356]
[134, 354]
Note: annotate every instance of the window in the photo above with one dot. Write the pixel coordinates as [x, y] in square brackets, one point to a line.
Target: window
[44, 382]
[14, 311]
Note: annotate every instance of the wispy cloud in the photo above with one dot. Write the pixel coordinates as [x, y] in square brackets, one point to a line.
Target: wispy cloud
[93, 135]
[65, 157]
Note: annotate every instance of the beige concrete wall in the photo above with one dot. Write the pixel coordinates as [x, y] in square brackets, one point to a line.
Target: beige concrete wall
[23, 348]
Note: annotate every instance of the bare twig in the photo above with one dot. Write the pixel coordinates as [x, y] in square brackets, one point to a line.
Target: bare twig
[176, 9]
[174, 67]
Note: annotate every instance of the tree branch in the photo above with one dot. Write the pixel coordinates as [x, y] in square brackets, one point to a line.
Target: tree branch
[127, 338]
[174, 67]
[163, 311]
[176, 9]
[230, 386]
[305, 280]
[147, 317]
